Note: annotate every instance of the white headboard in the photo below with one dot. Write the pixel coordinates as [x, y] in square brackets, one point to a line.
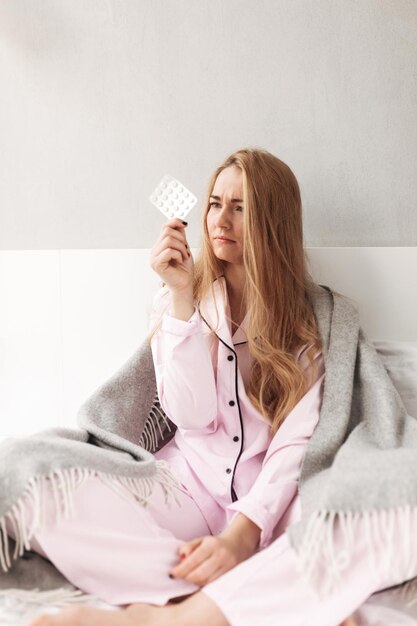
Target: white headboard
[382, 281]
[70, 318]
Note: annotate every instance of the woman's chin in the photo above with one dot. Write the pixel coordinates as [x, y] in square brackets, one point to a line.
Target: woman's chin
[222, 255]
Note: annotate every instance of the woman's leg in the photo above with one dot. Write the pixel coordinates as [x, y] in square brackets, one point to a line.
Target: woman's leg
[115, 548]
[268, 589]
[203, 611]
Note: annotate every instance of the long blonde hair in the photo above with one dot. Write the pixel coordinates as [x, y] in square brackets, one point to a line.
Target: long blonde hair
[278, 285]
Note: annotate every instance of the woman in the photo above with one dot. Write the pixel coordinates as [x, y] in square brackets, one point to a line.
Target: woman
[244, 390]
[240, 467]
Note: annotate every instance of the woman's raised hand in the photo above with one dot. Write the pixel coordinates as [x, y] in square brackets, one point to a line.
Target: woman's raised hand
[171, 258]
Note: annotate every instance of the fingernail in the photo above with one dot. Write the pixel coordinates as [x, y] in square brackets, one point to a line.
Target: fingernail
[182, 556]
[185, 223]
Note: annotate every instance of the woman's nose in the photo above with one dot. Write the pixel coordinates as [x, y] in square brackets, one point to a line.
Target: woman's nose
[222, 217]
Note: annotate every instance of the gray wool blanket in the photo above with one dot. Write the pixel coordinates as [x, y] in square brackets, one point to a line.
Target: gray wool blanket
[361, 458]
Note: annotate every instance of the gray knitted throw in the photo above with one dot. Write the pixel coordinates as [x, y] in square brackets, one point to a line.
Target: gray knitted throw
[362, 456]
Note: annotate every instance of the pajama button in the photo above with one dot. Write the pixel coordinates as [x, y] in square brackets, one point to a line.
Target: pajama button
[230, 358]
[235, 438]
[232, 402]
[228, 470]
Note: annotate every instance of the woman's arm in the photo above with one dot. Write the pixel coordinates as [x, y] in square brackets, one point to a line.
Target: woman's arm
[258, 512]
[182, 359]
[277, 483]
[182, 305]
[183, 364]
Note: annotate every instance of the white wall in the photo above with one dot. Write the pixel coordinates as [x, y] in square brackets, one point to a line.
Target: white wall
[70, 318]
[99, 99]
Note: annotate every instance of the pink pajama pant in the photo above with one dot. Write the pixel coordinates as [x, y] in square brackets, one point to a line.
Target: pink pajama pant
[122, 553]
[115, 548]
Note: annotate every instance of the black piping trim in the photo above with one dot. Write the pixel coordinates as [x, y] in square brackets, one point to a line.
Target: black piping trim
[232, 490]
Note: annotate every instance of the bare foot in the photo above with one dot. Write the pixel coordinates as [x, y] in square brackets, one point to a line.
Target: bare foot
[85, 616]
[196, 610]
[133, 615]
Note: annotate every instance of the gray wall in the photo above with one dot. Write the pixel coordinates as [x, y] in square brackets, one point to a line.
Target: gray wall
[99, 99]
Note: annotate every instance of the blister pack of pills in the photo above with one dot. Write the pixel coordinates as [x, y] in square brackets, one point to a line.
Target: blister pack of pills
[172, 198]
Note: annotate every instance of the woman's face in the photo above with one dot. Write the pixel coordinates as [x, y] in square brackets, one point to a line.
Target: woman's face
[225, 215]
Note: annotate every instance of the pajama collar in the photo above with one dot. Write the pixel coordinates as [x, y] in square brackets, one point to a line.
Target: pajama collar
[208, 313]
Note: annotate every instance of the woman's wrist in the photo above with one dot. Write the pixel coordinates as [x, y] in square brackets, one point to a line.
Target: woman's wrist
[182, 304]
[244, 532]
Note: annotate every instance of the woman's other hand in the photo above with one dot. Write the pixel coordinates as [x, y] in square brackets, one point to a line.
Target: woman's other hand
[171, 258]
[206, 558]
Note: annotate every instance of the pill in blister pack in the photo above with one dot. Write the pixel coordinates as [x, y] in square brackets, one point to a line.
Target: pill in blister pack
[172, 198]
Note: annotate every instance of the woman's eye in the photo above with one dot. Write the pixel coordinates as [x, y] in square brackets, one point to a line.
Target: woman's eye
[212, 204]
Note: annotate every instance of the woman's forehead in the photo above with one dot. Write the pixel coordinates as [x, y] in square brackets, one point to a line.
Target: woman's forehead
[229, 182]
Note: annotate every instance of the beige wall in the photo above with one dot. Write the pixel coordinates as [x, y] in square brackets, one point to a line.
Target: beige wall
[100, 98]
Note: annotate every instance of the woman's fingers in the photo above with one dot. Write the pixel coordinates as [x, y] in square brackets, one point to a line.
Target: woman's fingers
[171, 257]
[204, 572]
[187, 548]
[166, 257]
[208, 568]
[172, 237]
[173, 233]
[206, 559]
[193, 560]
[212, 557]
[173, 228]
[175, 222]
[170, 242]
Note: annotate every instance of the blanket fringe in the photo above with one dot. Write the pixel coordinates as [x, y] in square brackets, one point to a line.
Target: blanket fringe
[63, 484]
[11, 598]
[156, 421]
[19, 606]
[328, 543]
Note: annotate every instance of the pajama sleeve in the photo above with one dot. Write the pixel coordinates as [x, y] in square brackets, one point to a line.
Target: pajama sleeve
[277, 483]
[183, 365]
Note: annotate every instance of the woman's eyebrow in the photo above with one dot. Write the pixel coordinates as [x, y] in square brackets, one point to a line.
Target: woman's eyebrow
[232, 200]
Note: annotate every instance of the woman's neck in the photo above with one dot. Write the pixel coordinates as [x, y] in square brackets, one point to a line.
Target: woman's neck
[235, 286]
[235, 282]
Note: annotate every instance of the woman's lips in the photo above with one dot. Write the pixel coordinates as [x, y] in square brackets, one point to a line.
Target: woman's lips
[222, 240]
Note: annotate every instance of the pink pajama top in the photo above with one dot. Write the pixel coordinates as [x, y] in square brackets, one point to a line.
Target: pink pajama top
[223, 450]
